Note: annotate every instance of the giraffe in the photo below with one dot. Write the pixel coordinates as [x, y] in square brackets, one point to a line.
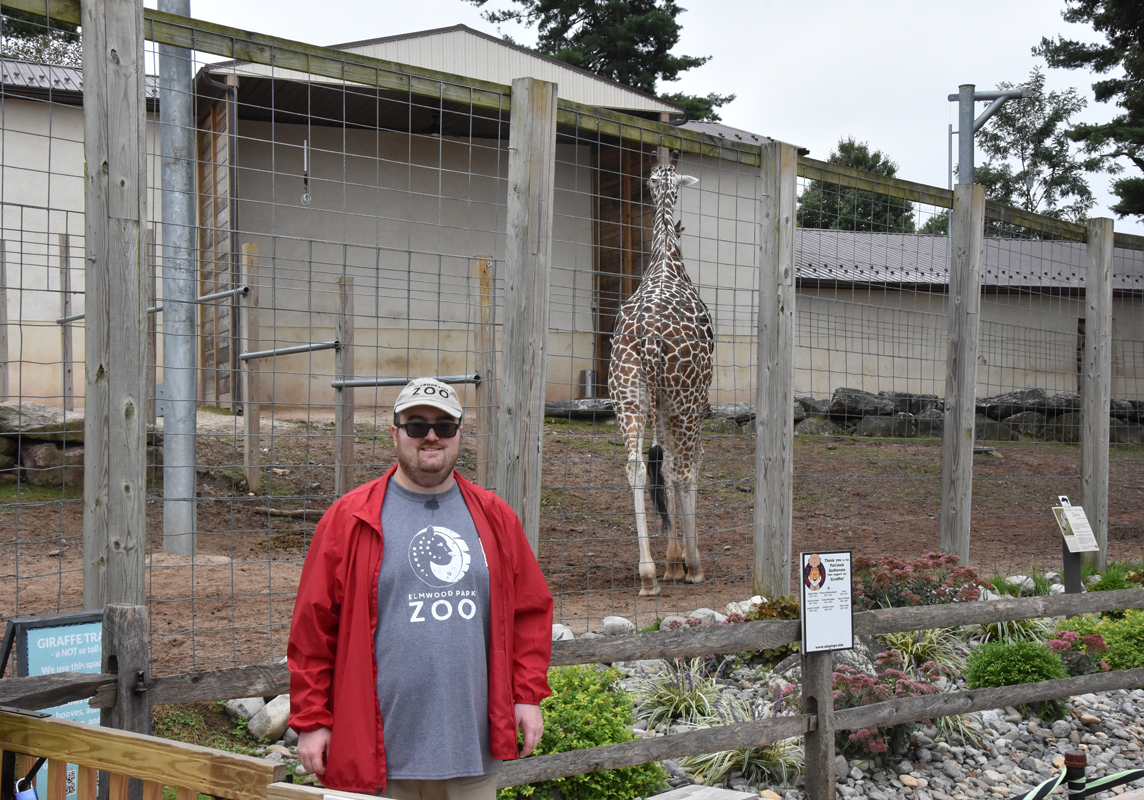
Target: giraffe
[660, 373]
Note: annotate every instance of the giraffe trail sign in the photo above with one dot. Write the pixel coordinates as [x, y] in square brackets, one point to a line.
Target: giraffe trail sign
[827, 607]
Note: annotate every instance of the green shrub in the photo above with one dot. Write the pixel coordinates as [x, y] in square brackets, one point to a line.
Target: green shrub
[588, 709]
[1012, 663]
[1115, 576]
[785, 607]
[1013, 630]
[1123, 637]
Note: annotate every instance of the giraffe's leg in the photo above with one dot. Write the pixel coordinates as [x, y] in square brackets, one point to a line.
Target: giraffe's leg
[687, 491]
[637, 479]
[673, 570]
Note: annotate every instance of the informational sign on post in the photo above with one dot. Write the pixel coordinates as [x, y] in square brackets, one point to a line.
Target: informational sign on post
[827, 611]
[58, 643]
[1073, 522]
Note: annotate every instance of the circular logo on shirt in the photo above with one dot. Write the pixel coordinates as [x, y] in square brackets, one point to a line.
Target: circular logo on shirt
[439, 556]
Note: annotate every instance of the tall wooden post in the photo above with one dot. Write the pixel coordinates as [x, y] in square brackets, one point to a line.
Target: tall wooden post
[774, 378]
[1096, 388]
[251, 336]
[115, 434]
[964, 306]
[488, 412]
[531, 181]
[344, 396]
[126, 654]
[152, 329]
[818, 701]
[67, 349]
[3, 319]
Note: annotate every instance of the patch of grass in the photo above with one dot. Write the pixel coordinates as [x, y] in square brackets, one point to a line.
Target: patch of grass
[217, 410]
[203, 724]
[23, 492]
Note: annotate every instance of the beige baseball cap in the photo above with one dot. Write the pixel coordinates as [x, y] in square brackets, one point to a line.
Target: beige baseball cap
[429, 392]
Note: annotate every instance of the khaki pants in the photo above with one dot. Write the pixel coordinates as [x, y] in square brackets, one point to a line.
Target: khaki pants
[478, 787]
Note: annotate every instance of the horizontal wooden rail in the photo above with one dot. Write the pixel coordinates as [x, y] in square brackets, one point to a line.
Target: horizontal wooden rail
[202, 769]
[256, 680]
[764, 732]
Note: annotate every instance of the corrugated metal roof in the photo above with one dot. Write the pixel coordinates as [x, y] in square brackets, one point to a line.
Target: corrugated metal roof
[461, 50]
[52, 78]
[726, 131]
[893, 258]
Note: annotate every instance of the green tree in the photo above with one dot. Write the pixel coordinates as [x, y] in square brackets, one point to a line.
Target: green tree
[1032, 162]
[825, 205]
[31, 37]
[1122, 24]
[628, 41]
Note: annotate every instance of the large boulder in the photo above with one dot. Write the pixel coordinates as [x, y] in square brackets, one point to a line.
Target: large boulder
[1028, 424]
[812, 405]
[1122, 409]
[45, 464]
[1065, 428]
[857, 403]
[988, 430]
[1123, 433]
[899, 426]
[1062, 403]
[910, 403]
[1000, 406]
[36, 421]
[741, 413]
[817, 426]
[930, 422]
[8, 447]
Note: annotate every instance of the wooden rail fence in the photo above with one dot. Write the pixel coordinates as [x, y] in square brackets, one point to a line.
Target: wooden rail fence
[224, 684]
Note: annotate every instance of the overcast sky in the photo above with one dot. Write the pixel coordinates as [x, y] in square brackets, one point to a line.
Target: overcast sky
[807, 73]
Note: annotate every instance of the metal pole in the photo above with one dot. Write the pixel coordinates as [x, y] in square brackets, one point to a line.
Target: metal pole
[180, 291]
[965, 133]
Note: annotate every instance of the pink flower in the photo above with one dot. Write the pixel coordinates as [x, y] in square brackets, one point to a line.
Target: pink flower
[1094, 643]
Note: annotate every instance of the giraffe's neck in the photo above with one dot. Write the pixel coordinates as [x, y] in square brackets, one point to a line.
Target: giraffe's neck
[665, 260]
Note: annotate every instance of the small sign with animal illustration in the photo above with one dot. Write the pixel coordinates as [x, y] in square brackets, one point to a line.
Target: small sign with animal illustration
[827, 610]
[1075, 528]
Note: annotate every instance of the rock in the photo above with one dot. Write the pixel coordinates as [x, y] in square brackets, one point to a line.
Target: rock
[561, 633]
[590, 409]
[707, 616]
[1022, 582]
[8, 447]
[930, 422]
[908, 780]
[857, 403]
[1061, 403]
[855, 773]
[290, 738]
[590, 635]
[812, 405]
[924, 755]
[279, 749]
[1124, 433]
[1053, 577]
[1028, 424]
[270, 722]
[741, 413]
[673, 769]
[950, 769]
[903, 767]
[841, 768]
[1061, 728]
[817, 426]
[767, 794]
[669, 622]
[1065, 428]
[301, 771]
[895, 426]
[37, 421]
[46, 464]
[1006, 405]
[244, 707]
[618, 626]
[909, 403]
[988, 430]
[1089, 719]
[799, 413]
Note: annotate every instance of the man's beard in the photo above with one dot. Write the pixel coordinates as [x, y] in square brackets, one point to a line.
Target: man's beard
[426, 479]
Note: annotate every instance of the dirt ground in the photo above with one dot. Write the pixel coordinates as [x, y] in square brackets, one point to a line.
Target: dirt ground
[233, 603]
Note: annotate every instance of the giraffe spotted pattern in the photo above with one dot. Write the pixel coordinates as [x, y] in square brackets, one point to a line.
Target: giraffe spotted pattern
[659, 377]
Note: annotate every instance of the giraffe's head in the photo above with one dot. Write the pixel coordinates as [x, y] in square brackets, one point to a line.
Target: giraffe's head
[665, 181]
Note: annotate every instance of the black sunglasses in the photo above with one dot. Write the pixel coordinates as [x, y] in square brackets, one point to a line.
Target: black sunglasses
[419, 430]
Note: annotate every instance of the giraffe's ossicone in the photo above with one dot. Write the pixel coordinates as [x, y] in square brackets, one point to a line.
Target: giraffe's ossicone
[660, 373]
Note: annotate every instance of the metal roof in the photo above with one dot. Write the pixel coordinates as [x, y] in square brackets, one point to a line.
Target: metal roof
[921, 259]
[726, 132]
[50, 78]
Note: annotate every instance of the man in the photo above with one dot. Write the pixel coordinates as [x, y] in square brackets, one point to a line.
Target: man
[422, 629]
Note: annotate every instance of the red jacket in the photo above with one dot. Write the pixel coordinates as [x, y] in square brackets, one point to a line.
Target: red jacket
[335, 616]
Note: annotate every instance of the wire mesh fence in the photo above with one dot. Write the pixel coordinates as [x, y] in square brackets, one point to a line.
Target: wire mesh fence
[348, 230]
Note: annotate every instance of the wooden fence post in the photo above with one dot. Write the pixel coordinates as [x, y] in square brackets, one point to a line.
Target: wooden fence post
[251, 336]
[125, 655]
[114, 491]
[67, 346]
[774, 380]
[152, 329]
[487, 414]
[344, 396]
[1096, 388]
[3, 319]
[818, 701]
[964, 306]
[531, 183]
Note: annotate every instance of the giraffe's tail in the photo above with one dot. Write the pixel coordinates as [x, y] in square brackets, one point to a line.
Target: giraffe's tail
[656, 484]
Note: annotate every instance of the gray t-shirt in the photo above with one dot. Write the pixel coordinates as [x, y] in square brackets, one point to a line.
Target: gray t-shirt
[432, 637]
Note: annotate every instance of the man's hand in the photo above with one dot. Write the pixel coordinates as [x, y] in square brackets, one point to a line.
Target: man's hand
[313, 745]
[528, 721]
